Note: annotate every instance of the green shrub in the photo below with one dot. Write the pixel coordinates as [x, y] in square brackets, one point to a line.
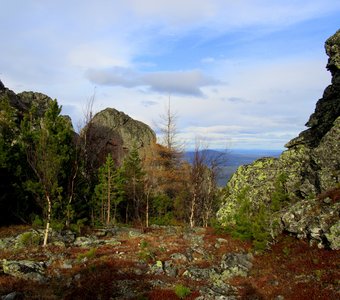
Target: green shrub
[57, 225]
[165, 220]
[37, 222]
[144, 244]
[252, 223]
[182, 291]
[146, 255]
[28, 239]
[77, 228]
[280, 196]
[218, 227]
[89, 254]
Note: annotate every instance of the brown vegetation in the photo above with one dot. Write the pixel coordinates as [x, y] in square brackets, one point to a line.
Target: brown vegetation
[291, 268]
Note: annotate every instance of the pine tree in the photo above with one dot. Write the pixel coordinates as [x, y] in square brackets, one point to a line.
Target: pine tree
[48, 144]
[108, 191]
[134, 181]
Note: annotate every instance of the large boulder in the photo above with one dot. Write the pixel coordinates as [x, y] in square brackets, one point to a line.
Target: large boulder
[112, 131]
[310, 166]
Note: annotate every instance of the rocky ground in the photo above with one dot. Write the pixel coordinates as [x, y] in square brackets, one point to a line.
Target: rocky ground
[161, 263]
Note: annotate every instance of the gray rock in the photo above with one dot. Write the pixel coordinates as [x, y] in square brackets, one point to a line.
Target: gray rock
[114, 132]
[13, 296]
[179, 257]
[236, 264]
[67, 265]
[111, 242]
[134, 232]
[85, 242]
[333, 236]
[170, 269]
[313, 219]
[7, 243]
[24, 269]
[198, 273]
[223, 291]
[157, 268]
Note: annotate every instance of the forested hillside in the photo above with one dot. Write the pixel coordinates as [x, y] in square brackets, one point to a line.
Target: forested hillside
[112, 172]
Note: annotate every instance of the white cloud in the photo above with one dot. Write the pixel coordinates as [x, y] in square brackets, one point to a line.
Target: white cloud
[178, 82]
[48, 45]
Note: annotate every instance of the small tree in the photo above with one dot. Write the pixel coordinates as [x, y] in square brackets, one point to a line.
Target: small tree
[48, 142]
[133, 173]
[108, 191]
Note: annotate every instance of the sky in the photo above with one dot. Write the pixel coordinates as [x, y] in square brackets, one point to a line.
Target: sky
[239, 74]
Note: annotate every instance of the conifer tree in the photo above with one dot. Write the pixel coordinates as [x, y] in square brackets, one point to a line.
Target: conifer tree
[48, 145]
[134, 181]
[108, 191]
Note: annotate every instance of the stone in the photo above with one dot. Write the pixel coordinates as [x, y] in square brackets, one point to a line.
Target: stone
[67, 265]
[134, 232]
[333, 236]
[24, 269]
[111, 242]
[236, 264]
[170, 269]
[114, 132]
[83, 241]
[13, 296]
[6, 243]
[198, 273]
[179, 257]
[313, 219]
[157, 268]
[223, 291]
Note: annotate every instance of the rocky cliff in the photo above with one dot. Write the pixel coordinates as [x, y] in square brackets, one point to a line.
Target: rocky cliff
[308, 173]
[112, 131]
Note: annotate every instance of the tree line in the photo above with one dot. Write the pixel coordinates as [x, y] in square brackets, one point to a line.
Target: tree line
[48, 176]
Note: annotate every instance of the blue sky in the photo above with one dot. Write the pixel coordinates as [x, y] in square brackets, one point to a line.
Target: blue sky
[240, 74]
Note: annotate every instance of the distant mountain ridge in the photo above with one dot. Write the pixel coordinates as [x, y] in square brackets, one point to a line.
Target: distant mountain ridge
[233, 159]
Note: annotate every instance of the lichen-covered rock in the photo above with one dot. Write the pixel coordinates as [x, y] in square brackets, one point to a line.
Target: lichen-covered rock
[236, 264]
[312, 219]
[333, 236]
[310, 166]
[85, 242]
[221, 291]
[24, 269]
[157, 268]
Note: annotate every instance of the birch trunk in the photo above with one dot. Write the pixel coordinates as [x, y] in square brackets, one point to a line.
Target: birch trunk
[48, 220]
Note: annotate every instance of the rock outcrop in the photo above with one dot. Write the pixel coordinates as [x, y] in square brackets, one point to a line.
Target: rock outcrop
[22, 102]
[112, 131]
[310, 167]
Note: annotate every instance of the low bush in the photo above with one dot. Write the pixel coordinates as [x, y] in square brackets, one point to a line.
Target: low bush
[182, 291]
[28, 239]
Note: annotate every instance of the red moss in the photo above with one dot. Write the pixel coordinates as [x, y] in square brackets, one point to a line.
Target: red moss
[334, 194]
